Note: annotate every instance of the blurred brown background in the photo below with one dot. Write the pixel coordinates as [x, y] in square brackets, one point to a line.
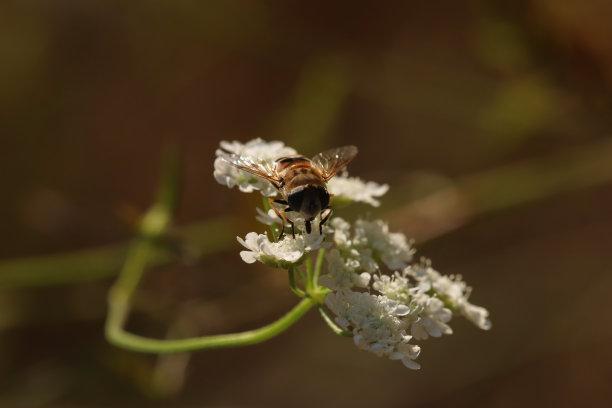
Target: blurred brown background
[491, 121]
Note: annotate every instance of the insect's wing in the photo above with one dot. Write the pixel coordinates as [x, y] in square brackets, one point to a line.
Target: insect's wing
[332, 161]
[259, 168]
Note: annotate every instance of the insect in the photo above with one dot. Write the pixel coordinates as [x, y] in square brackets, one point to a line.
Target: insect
[300, 181]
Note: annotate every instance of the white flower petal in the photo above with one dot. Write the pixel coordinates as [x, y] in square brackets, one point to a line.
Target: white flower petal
[418, 331]
[477, 315]
[248, 257]
[269, 218]
[402, 310]
[411, 364]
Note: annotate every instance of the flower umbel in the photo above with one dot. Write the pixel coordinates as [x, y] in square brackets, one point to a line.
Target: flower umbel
[453, 290]
[263, 151]
[280, 254]
[377, 323]
[364, 274]
[355, 189]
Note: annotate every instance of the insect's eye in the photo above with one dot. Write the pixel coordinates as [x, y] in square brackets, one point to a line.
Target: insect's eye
[295, 200]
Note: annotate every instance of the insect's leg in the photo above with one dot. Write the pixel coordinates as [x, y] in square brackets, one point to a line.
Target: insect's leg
[286, 210]
[278, 183]
[278, 201]
[308, 227]
[292, 228]
[282, 233]
[324, 219]
[281, 216]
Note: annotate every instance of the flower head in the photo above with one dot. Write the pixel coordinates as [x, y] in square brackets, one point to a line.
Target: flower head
[392, 248]
[396, 287]
[371, 241]
[377, 323]
[281, 254]
[453, 290]
[265, 152]
[341, 273]
[433, 318]
[381, 309]
[355, 189]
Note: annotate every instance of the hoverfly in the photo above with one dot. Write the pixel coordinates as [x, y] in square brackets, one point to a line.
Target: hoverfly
[300, 181]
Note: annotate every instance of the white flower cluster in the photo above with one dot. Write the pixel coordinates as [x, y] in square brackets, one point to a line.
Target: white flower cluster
[355, 258]
[383, 311]
[453, 290]
[377, 323]
[355, 189]
[280, 254]
[263, 151]
[377, 293]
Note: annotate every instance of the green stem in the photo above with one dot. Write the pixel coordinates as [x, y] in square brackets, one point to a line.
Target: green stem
[153, 226]
[274, 232]
[121, 338]
[265, 204]
[313, 290]
[309, 274]
[208, 237]
[318, 267]
[332, 325]
[120, 298]
[293, 285]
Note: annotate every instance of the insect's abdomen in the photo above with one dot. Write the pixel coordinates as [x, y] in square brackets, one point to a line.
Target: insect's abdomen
[297, 171]
[302, 177]
[285, 163]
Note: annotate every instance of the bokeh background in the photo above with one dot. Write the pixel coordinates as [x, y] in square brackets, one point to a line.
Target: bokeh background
[491, 121]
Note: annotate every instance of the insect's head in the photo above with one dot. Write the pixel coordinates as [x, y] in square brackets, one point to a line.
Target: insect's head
[308, 200]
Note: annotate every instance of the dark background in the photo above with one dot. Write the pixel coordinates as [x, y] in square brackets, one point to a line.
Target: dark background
[491, 121]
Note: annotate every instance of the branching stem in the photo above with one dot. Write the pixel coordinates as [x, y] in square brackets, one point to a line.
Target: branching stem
[153, 226]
